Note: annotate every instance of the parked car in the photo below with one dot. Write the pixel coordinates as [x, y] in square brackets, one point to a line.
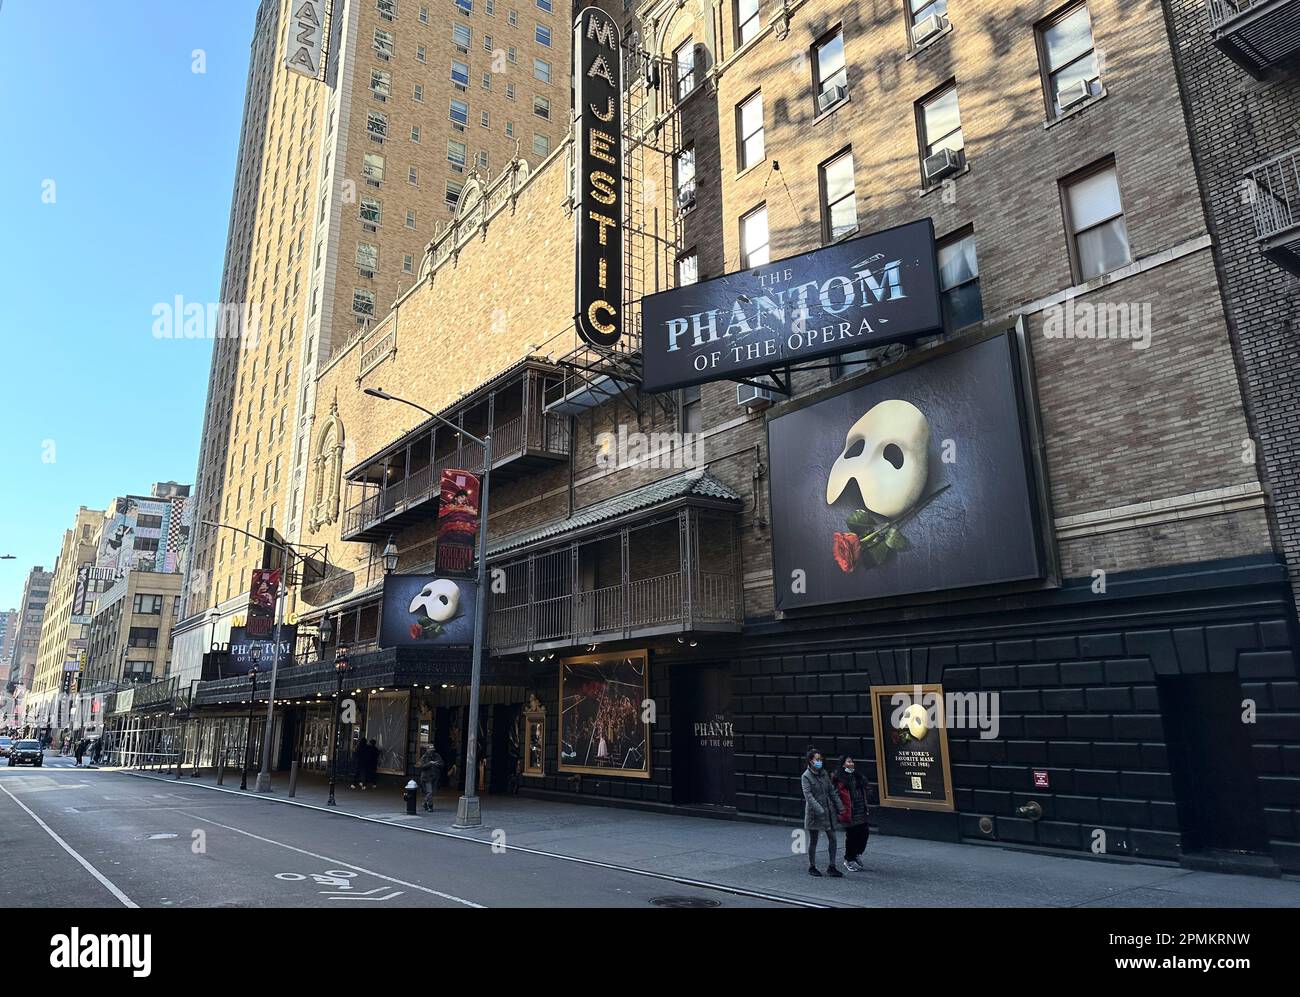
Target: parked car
[6, 745]
[26, 753]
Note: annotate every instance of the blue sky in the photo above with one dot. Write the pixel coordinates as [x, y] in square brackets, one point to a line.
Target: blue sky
[100, 97]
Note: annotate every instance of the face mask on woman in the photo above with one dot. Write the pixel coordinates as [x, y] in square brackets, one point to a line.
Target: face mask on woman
[817, 764]
[849, 770]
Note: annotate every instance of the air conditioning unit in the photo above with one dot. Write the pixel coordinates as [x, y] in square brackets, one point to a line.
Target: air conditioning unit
[365, 273]
[379, 97]
[686, 199]
[381, 54]
[367, 227]
[753, 397]
[924, 30]
[831, 96]
[943, 163]
[1076, 93]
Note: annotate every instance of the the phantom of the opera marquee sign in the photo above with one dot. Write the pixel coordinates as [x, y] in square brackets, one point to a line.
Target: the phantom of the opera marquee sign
[880, 288]
[306, 37]
[598, 196]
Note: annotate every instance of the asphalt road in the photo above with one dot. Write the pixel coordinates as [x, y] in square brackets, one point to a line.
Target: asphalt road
[88, 838]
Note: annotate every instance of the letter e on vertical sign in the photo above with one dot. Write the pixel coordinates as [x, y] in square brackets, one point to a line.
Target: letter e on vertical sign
[598, 186]
[306, 37]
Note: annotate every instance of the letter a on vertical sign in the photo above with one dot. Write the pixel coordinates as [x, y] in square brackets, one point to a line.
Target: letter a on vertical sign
[306, 37]
[598, 183]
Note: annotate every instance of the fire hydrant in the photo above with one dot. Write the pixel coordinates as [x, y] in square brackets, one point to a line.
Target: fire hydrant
[411, 791]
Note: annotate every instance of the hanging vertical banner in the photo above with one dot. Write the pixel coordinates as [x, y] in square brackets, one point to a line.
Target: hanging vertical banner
[306, 37]
[598, 184]
[262, 593]
[457, 520]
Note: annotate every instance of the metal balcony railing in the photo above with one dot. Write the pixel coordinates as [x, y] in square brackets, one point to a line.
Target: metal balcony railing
[1275, 204]
[1256, 34]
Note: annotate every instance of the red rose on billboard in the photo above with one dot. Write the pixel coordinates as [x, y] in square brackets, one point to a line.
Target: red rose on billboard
[847, 550]
[417, 631]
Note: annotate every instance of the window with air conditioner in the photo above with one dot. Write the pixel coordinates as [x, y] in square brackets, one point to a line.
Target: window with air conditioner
[459, 73]
[377, 124]
[371, 210]
[831, 78]
[926, 19]
[684, 179]
[383, 42]
[1068, 60]
[372, 166]
[457, 152]
[381, 83]
[942, 146]
[459, 112]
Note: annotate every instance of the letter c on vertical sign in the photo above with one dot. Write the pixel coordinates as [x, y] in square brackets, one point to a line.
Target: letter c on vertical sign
[598, 192]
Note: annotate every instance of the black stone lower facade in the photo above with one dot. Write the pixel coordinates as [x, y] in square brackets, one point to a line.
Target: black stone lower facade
[1166, 713]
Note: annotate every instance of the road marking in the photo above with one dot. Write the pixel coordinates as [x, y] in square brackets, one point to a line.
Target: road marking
[104, 880]
[326, 858]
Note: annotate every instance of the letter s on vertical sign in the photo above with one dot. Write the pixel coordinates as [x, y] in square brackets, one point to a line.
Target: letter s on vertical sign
[598, 151]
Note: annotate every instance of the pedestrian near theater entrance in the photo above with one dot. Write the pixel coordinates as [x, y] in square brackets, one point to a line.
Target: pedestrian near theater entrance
[852, 788]
[81, 751]
[372, 764]
[821, 811]
[431, 766]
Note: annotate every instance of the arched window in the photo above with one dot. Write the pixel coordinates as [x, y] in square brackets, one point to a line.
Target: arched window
[327, 467]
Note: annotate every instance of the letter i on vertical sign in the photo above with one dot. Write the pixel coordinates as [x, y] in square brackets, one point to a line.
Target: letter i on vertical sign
[598, 193]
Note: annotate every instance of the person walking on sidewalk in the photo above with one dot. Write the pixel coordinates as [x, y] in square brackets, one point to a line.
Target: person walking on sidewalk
[80, 751]
[821, 810]
[372, 765]
[431, 766]
[359, 755]
[852, 787]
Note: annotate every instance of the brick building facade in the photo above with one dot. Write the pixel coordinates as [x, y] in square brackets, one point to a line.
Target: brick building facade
[1169, 600]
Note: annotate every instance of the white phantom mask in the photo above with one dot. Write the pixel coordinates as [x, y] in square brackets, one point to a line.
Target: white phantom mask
[440, 600]
[890, 463]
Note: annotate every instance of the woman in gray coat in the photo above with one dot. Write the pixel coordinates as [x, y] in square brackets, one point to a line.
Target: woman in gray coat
[821, 810]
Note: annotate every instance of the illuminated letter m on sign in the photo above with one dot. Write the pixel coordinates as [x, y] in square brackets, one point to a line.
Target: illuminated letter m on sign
[603, 32]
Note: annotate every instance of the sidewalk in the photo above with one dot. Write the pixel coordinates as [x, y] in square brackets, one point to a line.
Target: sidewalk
[758, 857]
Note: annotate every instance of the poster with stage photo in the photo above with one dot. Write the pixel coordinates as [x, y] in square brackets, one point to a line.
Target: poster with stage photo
[457, 521]
[912, 766]
[602, 701]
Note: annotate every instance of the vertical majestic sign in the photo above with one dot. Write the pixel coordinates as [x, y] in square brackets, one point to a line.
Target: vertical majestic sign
[598, 186]
[306, 37]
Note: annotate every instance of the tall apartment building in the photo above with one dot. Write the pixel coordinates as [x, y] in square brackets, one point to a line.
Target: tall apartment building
[340, 184]
[66, 615]
[36, 594]
[8, 638]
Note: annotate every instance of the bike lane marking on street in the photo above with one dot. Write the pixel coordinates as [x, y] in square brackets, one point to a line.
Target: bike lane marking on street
[104, 880]
[332, 861]
[740, 891]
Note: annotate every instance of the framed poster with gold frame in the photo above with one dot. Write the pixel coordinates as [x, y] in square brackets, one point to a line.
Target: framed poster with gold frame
[534, 743]
[912, 763]
[601, 730]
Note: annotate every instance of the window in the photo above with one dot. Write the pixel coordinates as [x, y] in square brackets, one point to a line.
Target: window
[959, 281]
[749, 131]
[483, 119]
[381, 83]
[143, 637]
[831, 82]
[747, 20]
[541, 145]
[688, 269]
[692, 414]
[456, 153]
[684, 63]
[544, 5]
[454, 188]
[939, 120]
[424, 15]
[542, 70]
[466, 6]
[419, 53]
[684, 178]
[461, 36]
[510, 129]
[386, 8]
[513, 18]
[753, 238]
[542, 107]
[491, 8]
[920, 11]
[371, 210]
[372, 166]
[415, 133]
[482, 158]
[1068, 59]
[459, 112]
[367, 256]
[487, 81]
[412, 176]
[459, 73]
[384, 43]
[410, 218]
[839, 198]
[418, 93]
[377, 124]
[150, 605]
[510, 91]
[1095, 222]
[543, 35]
[363, 301]
[408, 263]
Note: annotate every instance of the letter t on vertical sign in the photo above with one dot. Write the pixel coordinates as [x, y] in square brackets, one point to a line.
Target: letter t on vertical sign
[598, 183]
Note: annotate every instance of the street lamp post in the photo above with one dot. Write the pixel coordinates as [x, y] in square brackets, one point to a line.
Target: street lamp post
[341, 665]
[248, 737]
[467, 808]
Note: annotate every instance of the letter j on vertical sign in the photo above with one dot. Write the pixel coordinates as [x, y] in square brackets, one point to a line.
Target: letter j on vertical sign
[598, 209]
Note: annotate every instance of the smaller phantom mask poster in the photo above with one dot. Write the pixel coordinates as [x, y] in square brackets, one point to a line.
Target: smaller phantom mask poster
[912, 766]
